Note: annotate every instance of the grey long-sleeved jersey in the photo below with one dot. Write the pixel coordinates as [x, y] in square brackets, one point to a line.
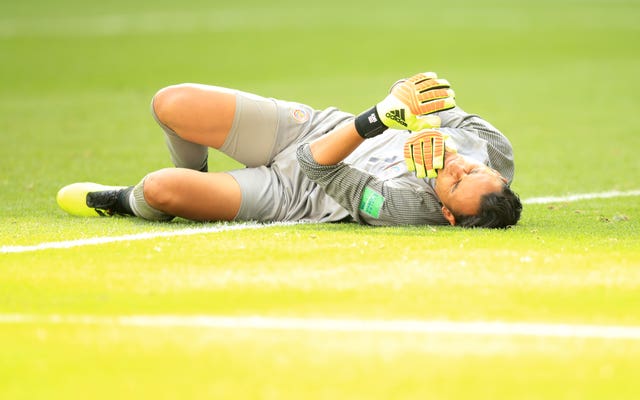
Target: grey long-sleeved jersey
[375, 187]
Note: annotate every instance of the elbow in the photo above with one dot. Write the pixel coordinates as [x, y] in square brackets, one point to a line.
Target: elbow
[302, 155]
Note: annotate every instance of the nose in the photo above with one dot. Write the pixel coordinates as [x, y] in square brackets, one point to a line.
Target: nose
[456, 168]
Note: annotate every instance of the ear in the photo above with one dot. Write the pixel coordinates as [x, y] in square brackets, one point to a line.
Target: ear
[448, 215]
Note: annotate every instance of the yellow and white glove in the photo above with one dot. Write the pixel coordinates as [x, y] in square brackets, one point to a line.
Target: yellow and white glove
[424, 153]
[409, 105]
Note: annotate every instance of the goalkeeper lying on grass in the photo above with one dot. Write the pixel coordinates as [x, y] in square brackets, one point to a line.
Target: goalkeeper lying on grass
[413, 159]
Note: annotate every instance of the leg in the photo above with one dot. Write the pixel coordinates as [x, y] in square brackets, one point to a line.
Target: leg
[197, 113]
[193, 118]
[192, 194]
[250, 129]
[160, 196]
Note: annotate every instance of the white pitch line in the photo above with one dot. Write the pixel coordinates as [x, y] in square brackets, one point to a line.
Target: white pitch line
[139, 236]
[337, 325]
[234, 227]
[581, 196]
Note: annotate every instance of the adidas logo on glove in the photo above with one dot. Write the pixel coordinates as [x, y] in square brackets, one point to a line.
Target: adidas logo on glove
[397, 115]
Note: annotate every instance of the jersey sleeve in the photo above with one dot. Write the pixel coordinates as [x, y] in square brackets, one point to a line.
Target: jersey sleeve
[466, 128]
[370, 200]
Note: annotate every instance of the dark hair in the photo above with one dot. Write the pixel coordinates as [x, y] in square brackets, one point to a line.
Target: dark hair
[497, 210]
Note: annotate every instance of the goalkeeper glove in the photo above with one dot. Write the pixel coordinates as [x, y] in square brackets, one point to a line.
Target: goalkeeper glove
[408, 106]
[424, 153]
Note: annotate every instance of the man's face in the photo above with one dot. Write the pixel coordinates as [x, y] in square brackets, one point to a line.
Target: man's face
[461, 184]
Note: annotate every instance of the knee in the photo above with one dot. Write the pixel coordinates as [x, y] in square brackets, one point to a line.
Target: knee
[158, 190]
[166, 101]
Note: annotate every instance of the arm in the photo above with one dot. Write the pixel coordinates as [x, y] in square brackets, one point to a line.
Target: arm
[335, 146]
[370, 200]
[476, 138]
[410, 105]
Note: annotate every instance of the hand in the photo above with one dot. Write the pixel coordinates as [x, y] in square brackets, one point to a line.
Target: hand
[412, 100]
[424, 153]
[408, 106]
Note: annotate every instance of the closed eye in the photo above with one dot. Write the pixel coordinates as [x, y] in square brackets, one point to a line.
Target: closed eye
[455, 185]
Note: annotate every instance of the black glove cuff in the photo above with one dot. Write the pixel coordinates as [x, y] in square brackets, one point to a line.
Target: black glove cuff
[368, 124]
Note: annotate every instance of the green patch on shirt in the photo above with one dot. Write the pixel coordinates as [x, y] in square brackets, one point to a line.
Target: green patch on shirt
[371, 202]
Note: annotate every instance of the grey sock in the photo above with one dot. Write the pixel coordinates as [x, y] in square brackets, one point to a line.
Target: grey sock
[141, 208]
[184, 154]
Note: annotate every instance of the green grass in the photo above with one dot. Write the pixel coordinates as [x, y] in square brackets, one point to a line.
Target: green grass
[162, 364]
[558, 77]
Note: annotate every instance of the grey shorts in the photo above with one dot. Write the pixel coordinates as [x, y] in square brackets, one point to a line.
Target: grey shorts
[264, 136]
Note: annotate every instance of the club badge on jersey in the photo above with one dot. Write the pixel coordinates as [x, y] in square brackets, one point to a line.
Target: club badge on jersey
[299, 115]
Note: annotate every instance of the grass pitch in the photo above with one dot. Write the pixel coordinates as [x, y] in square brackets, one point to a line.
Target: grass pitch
[559, 78]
